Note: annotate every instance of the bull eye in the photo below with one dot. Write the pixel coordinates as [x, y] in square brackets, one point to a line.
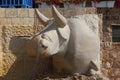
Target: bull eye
[43, 46]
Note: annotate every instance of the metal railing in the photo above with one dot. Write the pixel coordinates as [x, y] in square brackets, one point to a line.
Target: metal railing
[16, 3]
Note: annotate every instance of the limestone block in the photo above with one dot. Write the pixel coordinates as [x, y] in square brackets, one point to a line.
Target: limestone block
[80, 11]
[17, 21]
[8, 21]
[28, 21]
[31, 13]
[1, 53]
[5, 21]
[2, 21]
[69, 12]
[23, 12]
[37, 21]
[11, 12]
[91, 10]
[2, 12]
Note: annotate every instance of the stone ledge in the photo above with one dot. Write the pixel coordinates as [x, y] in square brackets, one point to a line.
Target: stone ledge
[74, 77]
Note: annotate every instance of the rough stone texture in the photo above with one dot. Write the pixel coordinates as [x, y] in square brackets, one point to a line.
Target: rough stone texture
[111, 62]
[91, 10]
[1, 53]
[110, 51]
[16, 65]
[74, 77]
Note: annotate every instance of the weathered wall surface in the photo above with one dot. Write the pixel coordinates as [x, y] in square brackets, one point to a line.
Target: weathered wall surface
[110, 50]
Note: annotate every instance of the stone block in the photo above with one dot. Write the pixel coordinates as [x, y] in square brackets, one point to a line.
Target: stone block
[3, 21]
[8, 21]
[28, 21]
[114, 11]
[31, 13]
[69, 12]
[17, 21]
[2, 12]
[80, 11]
[23, 12]
[11, 12]
[91, 10]
[37, 21]
[1, 52]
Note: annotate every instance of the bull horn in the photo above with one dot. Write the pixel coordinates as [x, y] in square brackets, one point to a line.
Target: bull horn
[43, 18]
[60, 20]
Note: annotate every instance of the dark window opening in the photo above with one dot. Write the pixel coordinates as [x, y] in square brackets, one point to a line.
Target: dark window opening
[16, 1]
[20, 1]
[8, 2]
[12, 2]
[116, 33]
[0, 2]
[4, 2]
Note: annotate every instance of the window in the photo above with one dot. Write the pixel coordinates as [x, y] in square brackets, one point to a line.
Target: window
[116, 33]
[0, 2]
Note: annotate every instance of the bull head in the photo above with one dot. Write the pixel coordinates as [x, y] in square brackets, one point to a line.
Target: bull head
[53, 39]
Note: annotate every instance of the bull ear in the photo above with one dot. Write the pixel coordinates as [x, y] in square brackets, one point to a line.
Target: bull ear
[43, 18]
[60, 20]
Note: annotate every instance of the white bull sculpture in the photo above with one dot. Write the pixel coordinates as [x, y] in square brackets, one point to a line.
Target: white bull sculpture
[73, 43]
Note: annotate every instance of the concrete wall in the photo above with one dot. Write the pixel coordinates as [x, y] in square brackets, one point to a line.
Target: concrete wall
[16, 25]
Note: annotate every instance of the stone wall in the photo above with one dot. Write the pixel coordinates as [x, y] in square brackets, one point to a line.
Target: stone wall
[16, 26]
[110, 50]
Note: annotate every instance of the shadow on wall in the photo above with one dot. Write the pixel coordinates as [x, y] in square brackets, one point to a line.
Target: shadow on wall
[25, 67]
